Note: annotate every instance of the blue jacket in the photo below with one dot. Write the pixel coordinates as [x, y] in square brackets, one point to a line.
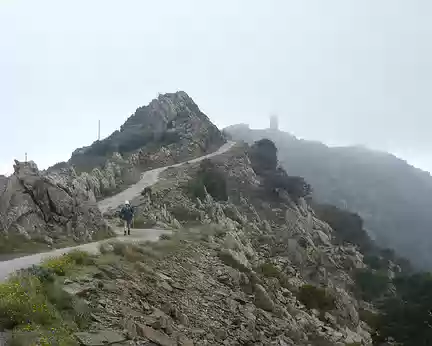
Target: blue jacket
[127, 213]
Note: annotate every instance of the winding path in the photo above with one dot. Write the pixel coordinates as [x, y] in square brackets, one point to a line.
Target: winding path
[148, 178]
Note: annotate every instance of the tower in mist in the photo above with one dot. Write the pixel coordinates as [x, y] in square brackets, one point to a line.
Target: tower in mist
[274, 122]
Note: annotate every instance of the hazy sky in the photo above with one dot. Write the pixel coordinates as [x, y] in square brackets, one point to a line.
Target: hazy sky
[343, 72]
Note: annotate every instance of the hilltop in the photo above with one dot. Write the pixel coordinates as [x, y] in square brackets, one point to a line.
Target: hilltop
[169, 130]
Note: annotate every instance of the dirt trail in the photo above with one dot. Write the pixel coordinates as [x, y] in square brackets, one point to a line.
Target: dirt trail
[137, 235]
[149, 178]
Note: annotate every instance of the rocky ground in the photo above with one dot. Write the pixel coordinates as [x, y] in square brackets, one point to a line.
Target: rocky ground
[264, 255]
[196, 287]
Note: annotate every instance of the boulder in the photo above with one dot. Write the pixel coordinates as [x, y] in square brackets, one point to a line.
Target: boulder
[48, 207]
[235, 260]
[262, 298]
[99, 338]
[155, 336]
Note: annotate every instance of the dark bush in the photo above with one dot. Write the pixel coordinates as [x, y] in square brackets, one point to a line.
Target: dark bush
[210, 177]
[134, 141]
[316, 298]
[263, 156]
[182, 213]
[295, 186]
[195, 188]
[43, 274]
[371, 285]
[348, 226]
[169, 137]
[406, 317]
[270, 270]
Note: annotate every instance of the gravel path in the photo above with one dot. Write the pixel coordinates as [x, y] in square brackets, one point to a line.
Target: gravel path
[147, 179]
[137, 235]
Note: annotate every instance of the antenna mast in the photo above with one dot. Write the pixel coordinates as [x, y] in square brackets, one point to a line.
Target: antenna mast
[98, 130]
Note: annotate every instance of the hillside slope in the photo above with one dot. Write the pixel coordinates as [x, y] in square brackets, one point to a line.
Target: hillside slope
[393, 198]
[170, 129]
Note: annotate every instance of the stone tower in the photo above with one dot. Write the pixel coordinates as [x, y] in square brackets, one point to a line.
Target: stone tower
[274, 122]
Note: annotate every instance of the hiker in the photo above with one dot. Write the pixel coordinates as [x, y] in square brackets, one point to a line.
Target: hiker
[127, 214]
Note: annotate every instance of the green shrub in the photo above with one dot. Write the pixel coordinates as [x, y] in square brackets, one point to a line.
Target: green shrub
[141, 222]
[270, 270]
[80, 257]
[57, 296]
[119, 248]
[182, 213]
[33, 334]
[58, 265]
[209, 178]
[263, 155]
[371, 318]
[130, 252]
[62, 264]
[43, 274]
[371, 285]
[214, 180]
[316, 298]
[195, 188]
[348, 226]
[22, 301]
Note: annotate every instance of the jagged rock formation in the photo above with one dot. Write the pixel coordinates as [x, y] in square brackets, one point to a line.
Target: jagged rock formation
[169, 130]
[392, 197]
[269, 250]
[47, 208]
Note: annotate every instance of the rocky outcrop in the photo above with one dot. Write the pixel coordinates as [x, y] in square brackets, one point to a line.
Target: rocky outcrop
[48, 208]
[169, 130]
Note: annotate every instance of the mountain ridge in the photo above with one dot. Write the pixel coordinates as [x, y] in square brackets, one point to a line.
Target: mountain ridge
[387, 192]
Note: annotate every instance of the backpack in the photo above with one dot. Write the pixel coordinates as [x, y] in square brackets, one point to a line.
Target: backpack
[126, 212]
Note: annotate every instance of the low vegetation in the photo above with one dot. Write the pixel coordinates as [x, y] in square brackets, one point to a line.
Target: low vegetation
[184, 214]
[268, 269]
[34, 305]
[209, 178]
[316, 298]
[371, 285]
[263, 155]
[406, 315]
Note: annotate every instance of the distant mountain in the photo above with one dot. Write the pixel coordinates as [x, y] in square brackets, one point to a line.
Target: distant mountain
[393, 197]
[168, 130]
[172, 121]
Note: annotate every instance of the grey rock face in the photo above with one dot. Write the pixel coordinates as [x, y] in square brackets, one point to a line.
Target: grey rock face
[262, 298]
[169, 130]
[48, 208]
